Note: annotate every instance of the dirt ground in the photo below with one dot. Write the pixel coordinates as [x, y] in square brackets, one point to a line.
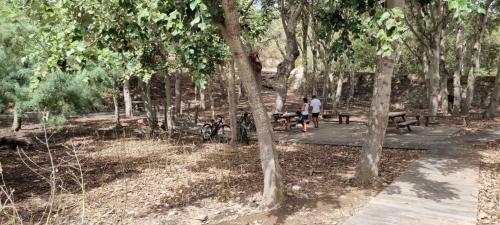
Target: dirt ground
[182, 180]
[489, 177]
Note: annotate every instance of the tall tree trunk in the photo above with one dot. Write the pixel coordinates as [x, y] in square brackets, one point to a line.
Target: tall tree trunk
[117, 108]
[371, 151]
[127, 98]
[495, 96]
[178, 93]
[148, 106]
[425, 57]
[476, 53]
[352, 84]
[443, 70]
[457, 73]
[202, 97]
[231, 98]
[241, 89]
[273, 184]
[211, 98]
[169, 114]
[434, 78]
[338, 90]
[16, 123]
[289, 19]
[305, 29]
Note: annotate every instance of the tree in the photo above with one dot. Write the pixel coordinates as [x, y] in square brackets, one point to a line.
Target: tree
[389, 35]
[425, 20]
[289, 12]
[231, 98]
[476, 53]
[231, 31]
[127, 99]
[492, 109]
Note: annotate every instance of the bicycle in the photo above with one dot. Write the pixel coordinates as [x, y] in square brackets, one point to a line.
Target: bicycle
[246, 124]
[216, 129]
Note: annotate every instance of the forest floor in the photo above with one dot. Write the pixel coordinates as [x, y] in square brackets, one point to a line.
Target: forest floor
[129, 180]
[182, 180]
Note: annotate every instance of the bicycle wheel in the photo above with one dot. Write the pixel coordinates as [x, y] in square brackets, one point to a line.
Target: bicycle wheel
[224, 133]
[206, 131]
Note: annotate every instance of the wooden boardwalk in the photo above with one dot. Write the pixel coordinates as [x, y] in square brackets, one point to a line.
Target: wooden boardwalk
[439, 188]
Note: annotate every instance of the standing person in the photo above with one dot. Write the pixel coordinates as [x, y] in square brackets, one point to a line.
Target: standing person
[304, 115]
[316, 109]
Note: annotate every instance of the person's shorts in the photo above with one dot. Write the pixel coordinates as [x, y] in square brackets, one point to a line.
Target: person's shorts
[315, 115]
[302, 118]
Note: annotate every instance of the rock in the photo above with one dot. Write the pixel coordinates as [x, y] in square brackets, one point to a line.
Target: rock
[172, 213]
[296, 188]
[201, 217]
[482, 215]
[194, 222]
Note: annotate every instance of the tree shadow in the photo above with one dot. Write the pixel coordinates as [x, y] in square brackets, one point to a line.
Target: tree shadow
[314, 174]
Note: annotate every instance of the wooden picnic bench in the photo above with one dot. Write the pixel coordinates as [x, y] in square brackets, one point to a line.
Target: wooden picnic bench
[286, 118]
[394, 115]
[344, 115]
[138, 106]
[408, 123]
[427, 118]
[404, 123]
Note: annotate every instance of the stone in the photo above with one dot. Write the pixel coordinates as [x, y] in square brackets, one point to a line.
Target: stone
[296, 188]
[201, 217]
[194, 222]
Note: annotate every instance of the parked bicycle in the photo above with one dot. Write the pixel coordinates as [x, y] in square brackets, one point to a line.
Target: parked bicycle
[246, 124]
[216, 130]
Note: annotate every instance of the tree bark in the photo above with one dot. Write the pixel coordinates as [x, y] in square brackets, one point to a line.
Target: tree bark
[434, 79]
[16, 122]
[457, 73]
[495, 96]
[178, 92]
[117, 108]
[231, 98]
[305, 29]
[211, 98]
[352, 84]
[289, 18]
[148, 106]
[338, 90]
[169, 114]
[371, 151]
[273, 184]
[241, 90]
[127, 98]
[202, 97]
[443, 70]
[476, 53]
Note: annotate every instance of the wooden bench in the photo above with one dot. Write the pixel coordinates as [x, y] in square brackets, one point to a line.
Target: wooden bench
[407, 124]
[464, 119]
[344, 115]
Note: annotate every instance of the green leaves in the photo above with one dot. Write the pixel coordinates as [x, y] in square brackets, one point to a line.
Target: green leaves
[389, 29]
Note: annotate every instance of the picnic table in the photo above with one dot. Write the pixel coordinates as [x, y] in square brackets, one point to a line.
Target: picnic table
[287, 117]
[394, 115]
[138, 106]
[463, 119]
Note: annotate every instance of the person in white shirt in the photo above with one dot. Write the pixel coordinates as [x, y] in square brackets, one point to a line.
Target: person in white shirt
[316, 109]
